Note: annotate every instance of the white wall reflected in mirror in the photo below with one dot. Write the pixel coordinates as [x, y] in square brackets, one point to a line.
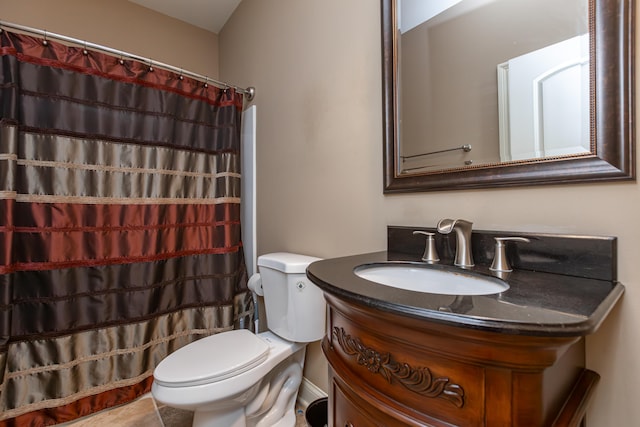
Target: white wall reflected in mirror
[414, 12]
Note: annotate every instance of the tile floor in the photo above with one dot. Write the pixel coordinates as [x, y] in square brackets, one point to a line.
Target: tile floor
[144, 412]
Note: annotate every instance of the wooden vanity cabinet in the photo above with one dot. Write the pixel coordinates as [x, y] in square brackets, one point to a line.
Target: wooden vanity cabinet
[388, 369]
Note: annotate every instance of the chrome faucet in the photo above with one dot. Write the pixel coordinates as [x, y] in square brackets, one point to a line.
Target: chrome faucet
[464, 258]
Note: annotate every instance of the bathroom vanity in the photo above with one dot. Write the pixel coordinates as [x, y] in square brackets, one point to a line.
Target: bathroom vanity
[514, 358]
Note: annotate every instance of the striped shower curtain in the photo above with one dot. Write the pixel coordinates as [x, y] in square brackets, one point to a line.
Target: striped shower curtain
[119, 225]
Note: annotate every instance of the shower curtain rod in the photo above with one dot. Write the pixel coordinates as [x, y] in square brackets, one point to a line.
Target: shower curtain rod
[249, 92]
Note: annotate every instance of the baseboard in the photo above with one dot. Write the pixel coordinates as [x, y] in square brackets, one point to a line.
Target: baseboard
[308, 393]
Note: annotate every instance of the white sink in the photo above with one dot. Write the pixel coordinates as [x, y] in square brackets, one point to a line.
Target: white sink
[430, 280]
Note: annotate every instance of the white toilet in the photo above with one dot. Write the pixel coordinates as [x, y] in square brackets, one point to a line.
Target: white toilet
[237, 378]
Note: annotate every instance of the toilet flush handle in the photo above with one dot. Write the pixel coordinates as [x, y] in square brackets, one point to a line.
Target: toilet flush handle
[255, 284]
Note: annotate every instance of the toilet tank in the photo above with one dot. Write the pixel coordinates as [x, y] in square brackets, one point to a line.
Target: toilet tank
[295, 307]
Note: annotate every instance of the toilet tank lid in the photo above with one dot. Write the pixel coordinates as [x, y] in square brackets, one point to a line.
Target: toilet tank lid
[286, 262]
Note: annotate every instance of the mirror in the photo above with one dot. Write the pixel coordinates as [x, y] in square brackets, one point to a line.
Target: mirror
[480, 93]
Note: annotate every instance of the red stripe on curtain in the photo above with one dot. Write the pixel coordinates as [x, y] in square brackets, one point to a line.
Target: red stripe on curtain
[67, 217]
[118, 234]
[6, 232]
[32, 266]
[81, 407]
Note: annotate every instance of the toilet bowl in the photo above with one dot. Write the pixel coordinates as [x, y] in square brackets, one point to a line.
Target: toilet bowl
[237, 378]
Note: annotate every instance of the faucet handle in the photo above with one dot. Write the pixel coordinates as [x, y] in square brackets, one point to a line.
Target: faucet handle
[430, 254]
[500, 261]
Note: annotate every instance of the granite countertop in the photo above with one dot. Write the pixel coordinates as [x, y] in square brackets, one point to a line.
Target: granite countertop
[536, 303]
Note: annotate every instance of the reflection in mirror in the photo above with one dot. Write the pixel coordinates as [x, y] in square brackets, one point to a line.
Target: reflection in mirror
[543, 102]
[498, 75]
[482, 93]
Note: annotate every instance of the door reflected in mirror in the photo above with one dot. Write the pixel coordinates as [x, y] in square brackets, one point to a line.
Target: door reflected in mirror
[490, 81]
[543, 102]
[487, 93]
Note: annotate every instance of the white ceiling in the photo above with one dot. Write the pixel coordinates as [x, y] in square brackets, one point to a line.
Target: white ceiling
[208, 14]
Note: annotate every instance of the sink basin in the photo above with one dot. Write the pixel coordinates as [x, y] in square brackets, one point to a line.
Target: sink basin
[430, 280]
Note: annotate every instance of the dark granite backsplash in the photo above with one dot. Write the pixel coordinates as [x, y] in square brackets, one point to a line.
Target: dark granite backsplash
[590, 257]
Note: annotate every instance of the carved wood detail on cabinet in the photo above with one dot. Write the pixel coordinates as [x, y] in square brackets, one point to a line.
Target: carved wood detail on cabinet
[388, 369]
[419, 380]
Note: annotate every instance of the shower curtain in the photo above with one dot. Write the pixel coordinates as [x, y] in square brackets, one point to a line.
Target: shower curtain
[119, 225]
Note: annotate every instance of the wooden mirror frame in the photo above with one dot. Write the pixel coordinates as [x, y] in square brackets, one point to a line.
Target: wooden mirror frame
[612, 51]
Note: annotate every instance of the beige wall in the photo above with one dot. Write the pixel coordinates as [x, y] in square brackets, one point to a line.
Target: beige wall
[316, 67]
[122, 25]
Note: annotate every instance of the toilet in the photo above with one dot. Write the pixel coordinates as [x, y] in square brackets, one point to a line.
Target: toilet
[241, 379]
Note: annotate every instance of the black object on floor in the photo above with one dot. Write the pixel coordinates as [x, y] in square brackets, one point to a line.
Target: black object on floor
[317, 413]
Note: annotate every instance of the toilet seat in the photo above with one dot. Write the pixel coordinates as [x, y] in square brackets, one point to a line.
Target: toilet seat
[212, 359]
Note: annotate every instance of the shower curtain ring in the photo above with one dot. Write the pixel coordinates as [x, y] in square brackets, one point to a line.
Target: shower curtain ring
[45, 42]
[150, 65]
[181, 77]
[85, 51]
[206, 82]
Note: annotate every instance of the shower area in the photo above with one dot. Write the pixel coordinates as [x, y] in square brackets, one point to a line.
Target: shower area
[121, 183]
